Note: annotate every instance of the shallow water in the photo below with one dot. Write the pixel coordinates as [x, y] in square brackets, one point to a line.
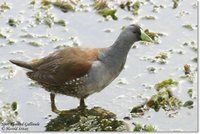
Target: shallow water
[34, 103]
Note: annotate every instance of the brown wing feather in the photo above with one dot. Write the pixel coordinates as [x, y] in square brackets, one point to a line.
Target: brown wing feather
[63, 65]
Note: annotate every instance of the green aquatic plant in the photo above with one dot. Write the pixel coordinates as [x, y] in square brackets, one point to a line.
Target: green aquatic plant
[136, 7]
[131, 6]
[95, 119]
[108, 12]
[100, 4]
[35, 44]
[149, 17]
[63, 5]
[4, 7]
[13, 22]
[165, 100]
[188, 26]
[60, 22]
[175, 3]
[188, 104]
[162, 99]
[103, 9]
[156, 8]
[32, 2]
[49, 19]
[144, 128]
[2, 35]
[8, 113]
[195, 59]
[151, 69]
[165, 84]
[151, 34]
[190, 92]
[187, 69]
[14, 106]
[11, 41]
[138, 128]
[46, 2]
[149, 128]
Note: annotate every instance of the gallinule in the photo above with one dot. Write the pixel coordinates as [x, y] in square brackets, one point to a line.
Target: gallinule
[80, 72]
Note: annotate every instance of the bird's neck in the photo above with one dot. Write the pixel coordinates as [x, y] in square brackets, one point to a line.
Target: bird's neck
[120, 47]
[117, 53]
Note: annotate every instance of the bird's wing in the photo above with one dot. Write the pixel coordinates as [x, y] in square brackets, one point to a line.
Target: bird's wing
[64, 65]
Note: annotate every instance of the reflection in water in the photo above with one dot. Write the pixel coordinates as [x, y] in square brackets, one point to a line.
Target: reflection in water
[95, 119]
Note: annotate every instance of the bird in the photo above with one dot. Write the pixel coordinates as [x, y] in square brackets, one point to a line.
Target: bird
[79, 72]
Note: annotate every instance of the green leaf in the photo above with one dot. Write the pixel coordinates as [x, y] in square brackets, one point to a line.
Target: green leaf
[188, 103]
[14, 106]
[149, 128]
[138, 128]
[190, 92]
[108, 12]
[60, 22]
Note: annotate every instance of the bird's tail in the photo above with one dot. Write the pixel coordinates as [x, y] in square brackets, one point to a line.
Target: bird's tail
[21, 64]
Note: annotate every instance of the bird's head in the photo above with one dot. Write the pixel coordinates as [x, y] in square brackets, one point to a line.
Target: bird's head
[135, 33]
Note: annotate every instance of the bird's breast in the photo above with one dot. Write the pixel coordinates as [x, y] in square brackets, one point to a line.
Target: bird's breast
[100, 76]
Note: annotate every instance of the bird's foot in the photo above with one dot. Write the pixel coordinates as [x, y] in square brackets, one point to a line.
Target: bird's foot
[82, 109]
[53, 105]
[55, 110]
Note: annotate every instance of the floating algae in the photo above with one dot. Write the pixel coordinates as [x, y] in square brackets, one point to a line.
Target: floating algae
[188, 104]
[195, 59]
[45, 2]
[108, 30]
[187, 69]
[13, 22]
[156, 8]
[108, 12]
[11, 41]
[144, 128]
[188, 26]
[151, 69]
[136, 7]
[103, 9]
[10, 72]
[165, 84]
[164, 99]
[63, 5]
[175, 3]
[130, 6]
[35, 44]
[161, 58]
[190, 92]
[2, 34]
[60, 22]
[48, 19]
[152, 35]
[100, 4]
[149, 17]
[4, 7]
[8, 113]
[95, 119]
[32, 2]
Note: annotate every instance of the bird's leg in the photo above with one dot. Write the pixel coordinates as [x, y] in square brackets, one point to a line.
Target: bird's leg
[82, 104]
[53, 105]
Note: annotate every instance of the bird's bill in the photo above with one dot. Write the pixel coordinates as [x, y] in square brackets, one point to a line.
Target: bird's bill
[145, 37]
